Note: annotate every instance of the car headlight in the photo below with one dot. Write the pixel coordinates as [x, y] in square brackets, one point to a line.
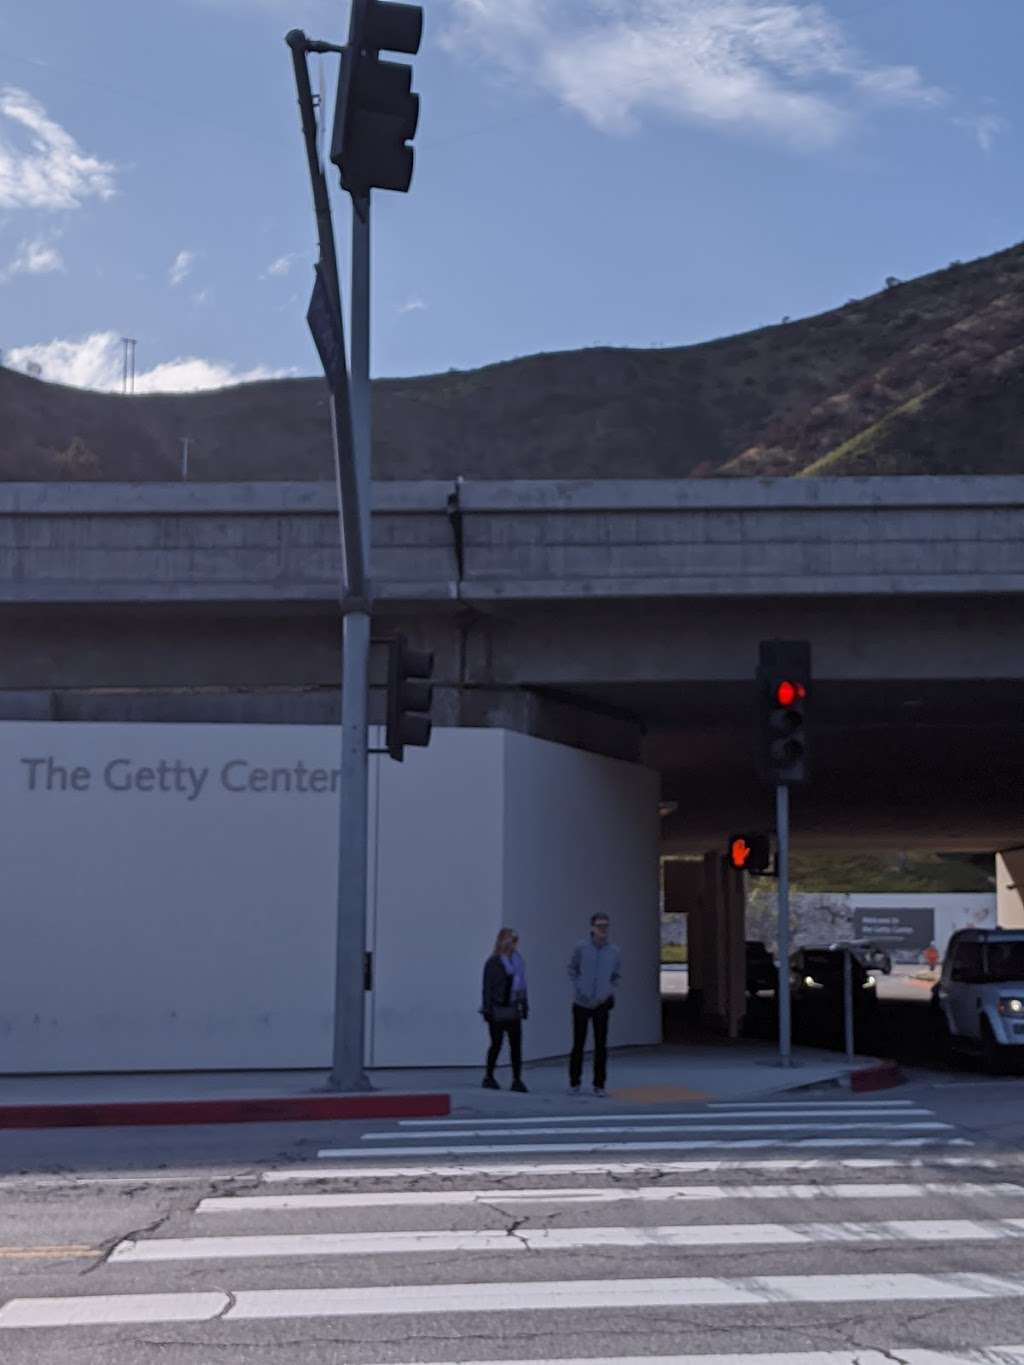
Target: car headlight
[1012, 1005]
[810, 982]
[869, 983]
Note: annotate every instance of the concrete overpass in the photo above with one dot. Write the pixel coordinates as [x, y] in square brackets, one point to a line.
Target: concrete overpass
[619, 616]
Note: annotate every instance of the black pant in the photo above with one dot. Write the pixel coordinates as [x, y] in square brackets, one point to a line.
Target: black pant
[581, 1018]
[515, 1044]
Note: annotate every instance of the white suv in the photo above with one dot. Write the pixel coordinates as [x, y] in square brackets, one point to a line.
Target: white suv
[981, 991]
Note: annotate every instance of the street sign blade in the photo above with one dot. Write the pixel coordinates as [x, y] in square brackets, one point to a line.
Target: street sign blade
[324, 326]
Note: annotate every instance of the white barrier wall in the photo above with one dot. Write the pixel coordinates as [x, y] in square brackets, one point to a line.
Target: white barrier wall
[581, 836]
[169, 892]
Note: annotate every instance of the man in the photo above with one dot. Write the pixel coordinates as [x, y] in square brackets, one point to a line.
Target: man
[594, 970]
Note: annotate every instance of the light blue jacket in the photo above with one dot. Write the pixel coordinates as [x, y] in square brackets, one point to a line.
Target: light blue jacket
[594, 972]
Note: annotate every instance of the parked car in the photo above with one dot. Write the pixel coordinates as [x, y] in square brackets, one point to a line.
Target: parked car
[816, 988]
[980, 994]
[762, 973]
[870, 955]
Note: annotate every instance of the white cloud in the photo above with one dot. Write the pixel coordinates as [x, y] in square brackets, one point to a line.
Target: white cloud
[985, 127]
[785, 68]
[95, 362]
[45, 168]
[181, 267]
[33, 258]
[281, 266]
[413, 305]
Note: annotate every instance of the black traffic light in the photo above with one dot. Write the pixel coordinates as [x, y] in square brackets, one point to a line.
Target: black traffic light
[750, 853]
[783, 684]
[377, 113]
[410, 692]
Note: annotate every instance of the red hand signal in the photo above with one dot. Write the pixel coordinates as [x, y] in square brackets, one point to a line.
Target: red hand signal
[739, 852]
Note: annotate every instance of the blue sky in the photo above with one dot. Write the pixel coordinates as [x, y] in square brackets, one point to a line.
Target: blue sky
[620, 172]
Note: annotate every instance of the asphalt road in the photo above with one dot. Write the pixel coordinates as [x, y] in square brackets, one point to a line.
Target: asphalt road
[817, 1222]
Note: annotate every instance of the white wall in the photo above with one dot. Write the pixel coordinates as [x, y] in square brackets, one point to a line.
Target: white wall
[146, 929]
[581, 836]
[439, 897]
[142, 929]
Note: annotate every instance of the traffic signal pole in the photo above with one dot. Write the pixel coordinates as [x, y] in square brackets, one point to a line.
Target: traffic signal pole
[349, 1012]
[349, 438]
[782, 837]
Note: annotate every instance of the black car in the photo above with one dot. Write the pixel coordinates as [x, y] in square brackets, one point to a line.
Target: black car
[870, 955]
[816, 987]
[762, 973]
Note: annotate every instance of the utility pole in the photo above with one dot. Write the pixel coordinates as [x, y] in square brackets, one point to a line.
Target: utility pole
[184, 457]
[128, 376]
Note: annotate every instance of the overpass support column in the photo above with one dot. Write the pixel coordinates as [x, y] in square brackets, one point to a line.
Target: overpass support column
[717, 953]
[1010, 888]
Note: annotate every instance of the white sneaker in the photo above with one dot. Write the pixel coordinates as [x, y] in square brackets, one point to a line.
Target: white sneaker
[600, 1092]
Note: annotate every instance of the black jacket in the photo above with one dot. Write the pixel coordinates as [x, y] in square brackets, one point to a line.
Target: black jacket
[497, 988]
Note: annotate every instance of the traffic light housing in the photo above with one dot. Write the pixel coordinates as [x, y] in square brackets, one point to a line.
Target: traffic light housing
[750, 853]
[377, 112]
[784, 685]
[410, 692]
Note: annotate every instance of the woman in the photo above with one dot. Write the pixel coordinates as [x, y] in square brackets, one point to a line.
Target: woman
[505, 1006]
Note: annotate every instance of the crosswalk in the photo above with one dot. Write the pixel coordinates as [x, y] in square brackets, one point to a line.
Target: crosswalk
[726, 1126]
[836, 1258]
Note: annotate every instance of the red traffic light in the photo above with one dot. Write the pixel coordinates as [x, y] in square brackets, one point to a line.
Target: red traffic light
[786, 693]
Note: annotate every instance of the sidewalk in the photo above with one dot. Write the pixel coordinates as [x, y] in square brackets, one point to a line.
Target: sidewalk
[667, 1075]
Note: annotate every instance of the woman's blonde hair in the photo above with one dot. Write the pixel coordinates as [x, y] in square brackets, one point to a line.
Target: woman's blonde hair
[505, 941]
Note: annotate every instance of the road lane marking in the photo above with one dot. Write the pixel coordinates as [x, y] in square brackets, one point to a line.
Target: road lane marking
[687, 1145]
[101, 1309]
[553, 1127]
[993, 1355]
[59, 1253]
[653, 1194]
[839, 1110]
[642, 1168]
[390, 1301]
[681, 1237]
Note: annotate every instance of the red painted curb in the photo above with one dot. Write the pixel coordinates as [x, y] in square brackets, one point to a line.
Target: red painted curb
[133, 1113]
[877, 1077]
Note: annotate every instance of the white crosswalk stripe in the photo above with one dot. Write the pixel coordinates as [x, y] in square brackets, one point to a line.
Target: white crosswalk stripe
[686, 1238]
[667, 1145]
[620, 1236]
[702, 1127]
[841, 1109]
[508, 1297]
[487, 1169]
[653, 1194]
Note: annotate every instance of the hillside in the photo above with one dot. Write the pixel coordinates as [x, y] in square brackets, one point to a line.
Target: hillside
[925, 377]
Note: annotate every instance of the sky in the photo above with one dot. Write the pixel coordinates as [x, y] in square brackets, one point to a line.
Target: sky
[588, 172]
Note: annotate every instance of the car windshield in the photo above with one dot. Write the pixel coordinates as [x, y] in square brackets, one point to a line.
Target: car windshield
[1005, 961]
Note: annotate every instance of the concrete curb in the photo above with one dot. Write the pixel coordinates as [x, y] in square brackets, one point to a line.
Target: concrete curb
[290, 1109]
[880, 1077]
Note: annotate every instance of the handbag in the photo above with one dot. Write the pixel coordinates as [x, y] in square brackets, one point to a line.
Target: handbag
[507, 1014]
